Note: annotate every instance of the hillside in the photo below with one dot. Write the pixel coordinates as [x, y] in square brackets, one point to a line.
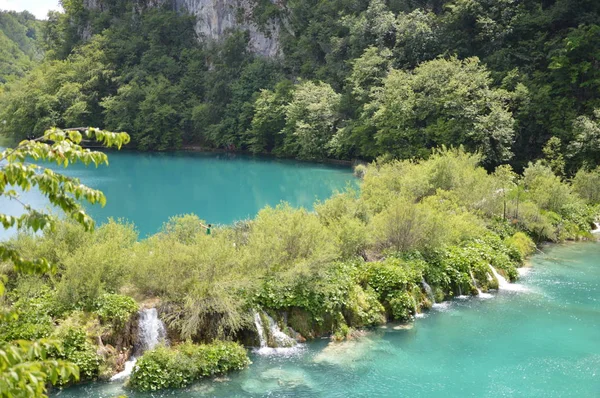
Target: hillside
[19, 44]
[325, 79]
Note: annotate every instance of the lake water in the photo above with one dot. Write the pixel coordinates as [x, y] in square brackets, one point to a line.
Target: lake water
[148, 188]
[541, 339]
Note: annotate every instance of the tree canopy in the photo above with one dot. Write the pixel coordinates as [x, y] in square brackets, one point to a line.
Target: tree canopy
[499, 78]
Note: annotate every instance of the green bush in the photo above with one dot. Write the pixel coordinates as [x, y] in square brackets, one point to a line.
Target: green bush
[522, 243]
[78, 349]
[363, 308]
[115, 309]
[388, 277]
[180, 366]
[34, 314]
[402, 305]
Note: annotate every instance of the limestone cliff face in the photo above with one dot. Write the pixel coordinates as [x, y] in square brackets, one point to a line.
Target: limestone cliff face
[216, 18]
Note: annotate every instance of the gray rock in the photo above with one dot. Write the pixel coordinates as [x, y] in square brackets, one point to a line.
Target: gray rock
[217, 18]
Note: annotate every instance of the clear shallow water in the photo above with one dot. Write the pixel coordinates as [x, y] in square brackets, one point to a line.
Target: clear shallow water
[539, 341]
[148, 188]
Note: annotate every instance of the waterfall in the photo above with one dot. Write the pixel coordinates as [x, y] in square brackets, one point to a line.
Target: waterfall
[416, 310]
[272, 339]
[260, 329]
[479, 292]
[151, 332]
[596, 229]
[428, 290]
[503, 284]
[129, 365]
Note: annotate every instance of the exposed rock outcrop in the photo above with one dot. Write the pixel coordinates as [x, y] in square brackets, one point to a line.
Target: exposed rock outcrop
[215, 19]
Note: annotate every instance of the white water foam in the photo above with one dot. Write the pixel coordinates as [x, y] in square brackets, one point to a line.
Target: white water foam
[503, 284]
[443, 306]
[129, 366]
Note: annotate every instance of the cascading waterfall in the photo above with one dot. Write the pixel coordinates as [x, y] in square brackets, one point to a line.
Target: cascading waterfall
[260, 329]
[151, 332]
[428, 290]
[272, 339]
[503, 284]
[596, 229]
[479, 292]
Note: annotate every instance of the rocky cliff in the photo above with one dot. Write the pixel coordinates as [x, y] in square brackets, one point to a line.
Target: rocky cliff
[216, 18]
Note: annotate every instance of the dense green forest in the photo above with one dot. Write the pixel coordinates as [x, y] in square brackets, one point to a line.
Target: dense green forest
[355, 79]
[20, 44]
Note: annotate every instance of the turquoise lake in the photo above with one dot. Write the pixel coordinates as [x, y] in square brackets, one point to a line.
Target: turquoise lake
[539, 339]
[148, 188]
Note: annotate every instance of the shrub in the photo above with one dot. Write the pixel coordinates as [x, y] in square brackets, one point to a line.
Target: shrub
[522, 243]
[77, 348]
[402, 305]
[178, 367]
[97, 267]
[115, 309]
[388, 277]
[363, 308]
[34, 309]
[587, 185]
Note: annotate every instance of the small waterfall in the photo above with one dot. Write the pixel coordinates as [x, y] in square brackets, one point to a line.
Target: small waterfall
[479, 292]
[260, 329]
[272, 339]
[428, 290]
[596, 229]
[460, 294]
[129, 365]
[151, 332]
[503, 284]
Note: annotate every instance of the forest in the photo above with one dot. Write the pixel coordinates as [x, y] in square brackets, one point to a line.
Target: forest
[354, 79]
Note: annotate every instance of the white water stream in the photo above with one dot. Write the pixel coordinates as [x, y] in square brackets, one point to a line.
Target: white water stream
[272, 339]
[503, 284]
[151, 332]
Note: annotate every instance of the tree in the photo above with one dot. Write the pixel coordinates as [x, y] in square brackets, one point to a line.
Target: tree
[585, 147]
[554, 157]
[506, 180]
[443, 102]
[269, 117]
[25, 368]
[311, 119]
